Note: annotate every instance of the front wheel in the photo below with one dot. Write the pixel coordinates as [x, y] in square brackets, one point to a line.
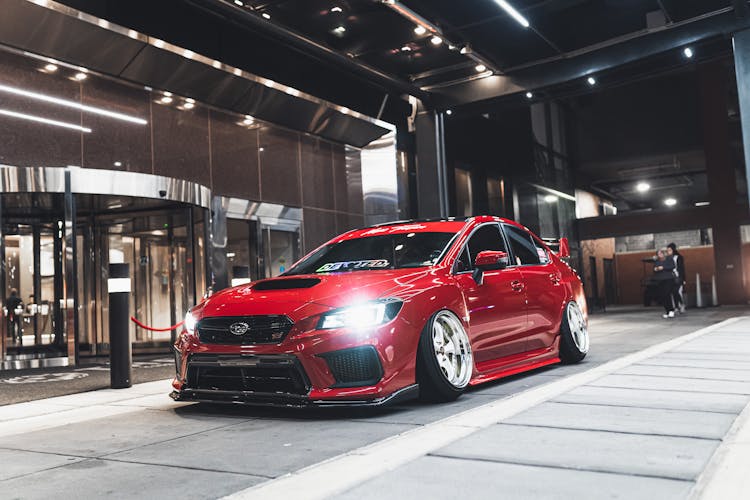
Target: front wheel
[444, 359]
[574, 335]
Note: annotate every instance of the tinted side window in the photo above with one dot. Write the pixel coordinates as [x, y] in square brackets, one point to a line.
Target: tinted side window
[487, 237]
[463, 262]
[524, 249]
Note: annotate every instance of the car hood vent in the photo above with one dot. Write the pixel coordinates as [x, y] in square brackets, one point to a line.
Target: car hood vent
[286, 284]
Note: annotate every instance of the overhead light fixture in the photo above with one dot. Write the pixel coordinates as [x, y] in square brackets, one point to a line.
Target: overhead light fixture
[420, 30]
[702, 203]
[237, 2]
[591, 80]
[118, 164]
[266, 15]
[512, 12]
[449, 112]
[688, 52]
[51, 68]
[340, 30]
[670, 202]
[642, 187]
[529, 95]
[551, 198]
[337, 9]
[188, 105]
[46, 121]
[436, 40]
[166, 99]
[465, 50]
[249, 120]
[80, 76]
[480, 68]
[72, 104]
[405, 48]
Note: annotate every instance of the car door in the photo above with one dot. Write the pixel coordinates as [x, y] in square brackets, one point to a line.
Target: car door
[544, 292]
[497, 308]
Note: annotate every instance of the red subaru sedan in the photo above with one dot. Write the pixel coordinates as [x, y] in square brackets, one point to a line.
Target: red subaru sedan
[387, 313]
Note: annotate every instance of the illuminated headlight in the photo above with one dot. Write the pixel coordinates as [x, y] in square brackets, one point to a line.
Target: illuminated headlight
[361, 316]
[189, 322]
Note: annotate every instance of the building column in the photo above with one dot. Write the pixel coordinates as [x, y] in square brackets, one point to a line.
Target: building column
[741, 43]
[722, 185]
[432, 170]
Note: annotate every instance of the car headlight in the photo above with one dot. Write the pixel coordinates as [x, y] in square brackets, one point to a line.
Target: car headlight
[189, 322]
[361, 315]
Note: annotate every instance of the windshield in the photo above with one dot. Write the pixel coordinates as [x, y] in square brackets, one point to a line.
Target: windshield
[391, 251]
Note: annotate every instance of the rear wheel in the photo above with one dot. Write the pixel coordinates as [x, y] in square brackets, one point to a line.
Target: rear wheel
[444, 359]
[574, 335]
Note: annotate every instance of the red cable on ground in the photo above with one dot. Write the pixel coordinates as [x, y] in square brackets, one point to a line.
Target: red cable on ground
[146, 327]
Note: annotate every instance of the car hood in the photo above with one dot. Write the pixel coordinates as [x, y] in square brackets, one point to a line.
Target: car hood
[291, 294]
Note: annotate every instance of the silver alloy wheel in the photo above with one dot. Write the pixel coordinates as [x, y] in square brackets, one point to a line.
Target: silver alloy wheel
[578, 329]
[452, 349]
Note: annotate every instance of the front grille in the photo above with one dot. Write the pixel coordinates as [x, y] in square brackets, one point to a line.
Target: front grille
[268, 329]
[355, 367]
[271, 374]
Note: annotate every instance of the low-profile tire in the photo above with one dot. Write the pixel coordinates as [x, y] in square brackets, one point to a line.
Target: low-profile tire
[574, 335]
[444, 359]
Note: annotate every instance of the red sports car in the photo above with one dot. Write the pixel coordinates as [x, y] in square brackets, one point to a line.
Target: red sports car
[386, 313]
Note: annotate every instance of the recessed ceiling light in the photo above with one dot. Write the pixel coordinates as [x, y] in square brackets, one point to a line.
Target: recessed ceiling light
[449, 112]
[436, 40]
[118, 164]
[688, 52]
[188, 105]
[670, 202]
[339, 29]
[512, 12]
[465, 49]
[266, 15]
[249, 120]
[480, 68]
[51, 67]
[529, 95]
[551, 198]
[238, 2]
[168, 94]
[337, 9]
[591, 80]
[702, 203]
[405, 48]
[642, 187]
[80, 76]
[166, 99]
[420, 30]
[191, 101]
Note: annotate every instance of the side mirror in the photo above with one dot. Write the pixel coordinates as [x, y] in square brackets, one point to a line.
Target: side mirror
[490, 260]
[564, 251]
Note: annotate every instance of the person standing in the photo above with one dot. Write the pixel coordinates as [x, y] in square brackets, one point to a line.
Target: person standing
[13, 310]
[664, 277]
[678, 293]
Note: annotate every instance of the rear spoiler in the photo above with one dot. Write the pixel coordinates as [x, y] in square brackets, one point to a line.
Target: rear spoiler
[560, 247]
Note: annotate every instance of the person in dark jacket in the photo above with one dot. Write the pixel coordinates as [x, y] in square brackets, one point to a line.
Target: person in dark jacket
[664, 277]
[12, 306]
[678, 293]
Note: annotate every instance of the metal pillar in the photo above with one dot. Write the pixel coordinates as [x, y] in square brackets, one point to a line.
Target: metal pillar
[432, 170]
[741, 44]
[120, 347]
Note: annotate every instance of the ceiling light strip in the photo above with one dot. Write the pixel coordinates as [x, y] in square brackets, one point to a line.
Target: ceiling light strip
[512, 12]
[72, 104]
[46, 121]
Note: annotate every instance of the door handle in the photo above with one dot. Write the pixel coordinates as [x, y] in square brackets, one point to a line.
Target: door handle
[516, 285]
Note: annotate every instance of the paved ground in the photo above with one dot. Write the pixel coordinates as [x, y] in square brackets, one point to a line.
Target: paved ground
[17, 386]
[609, 427]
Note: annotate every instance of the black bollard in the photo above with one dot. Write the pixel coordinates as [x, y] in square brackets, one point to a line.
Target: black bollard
[120, 350]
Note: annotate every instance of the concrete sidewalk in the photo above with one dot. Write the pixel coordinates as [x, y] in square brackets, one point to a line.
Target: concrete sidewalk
[648, 430]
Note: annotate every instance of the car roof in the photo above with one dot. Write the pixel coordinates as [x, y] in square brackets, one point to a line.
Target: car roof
[447, 225]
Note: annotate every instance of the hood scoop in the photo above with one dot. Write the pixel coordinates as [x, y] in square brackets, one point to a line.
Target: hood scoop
[286, 284]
